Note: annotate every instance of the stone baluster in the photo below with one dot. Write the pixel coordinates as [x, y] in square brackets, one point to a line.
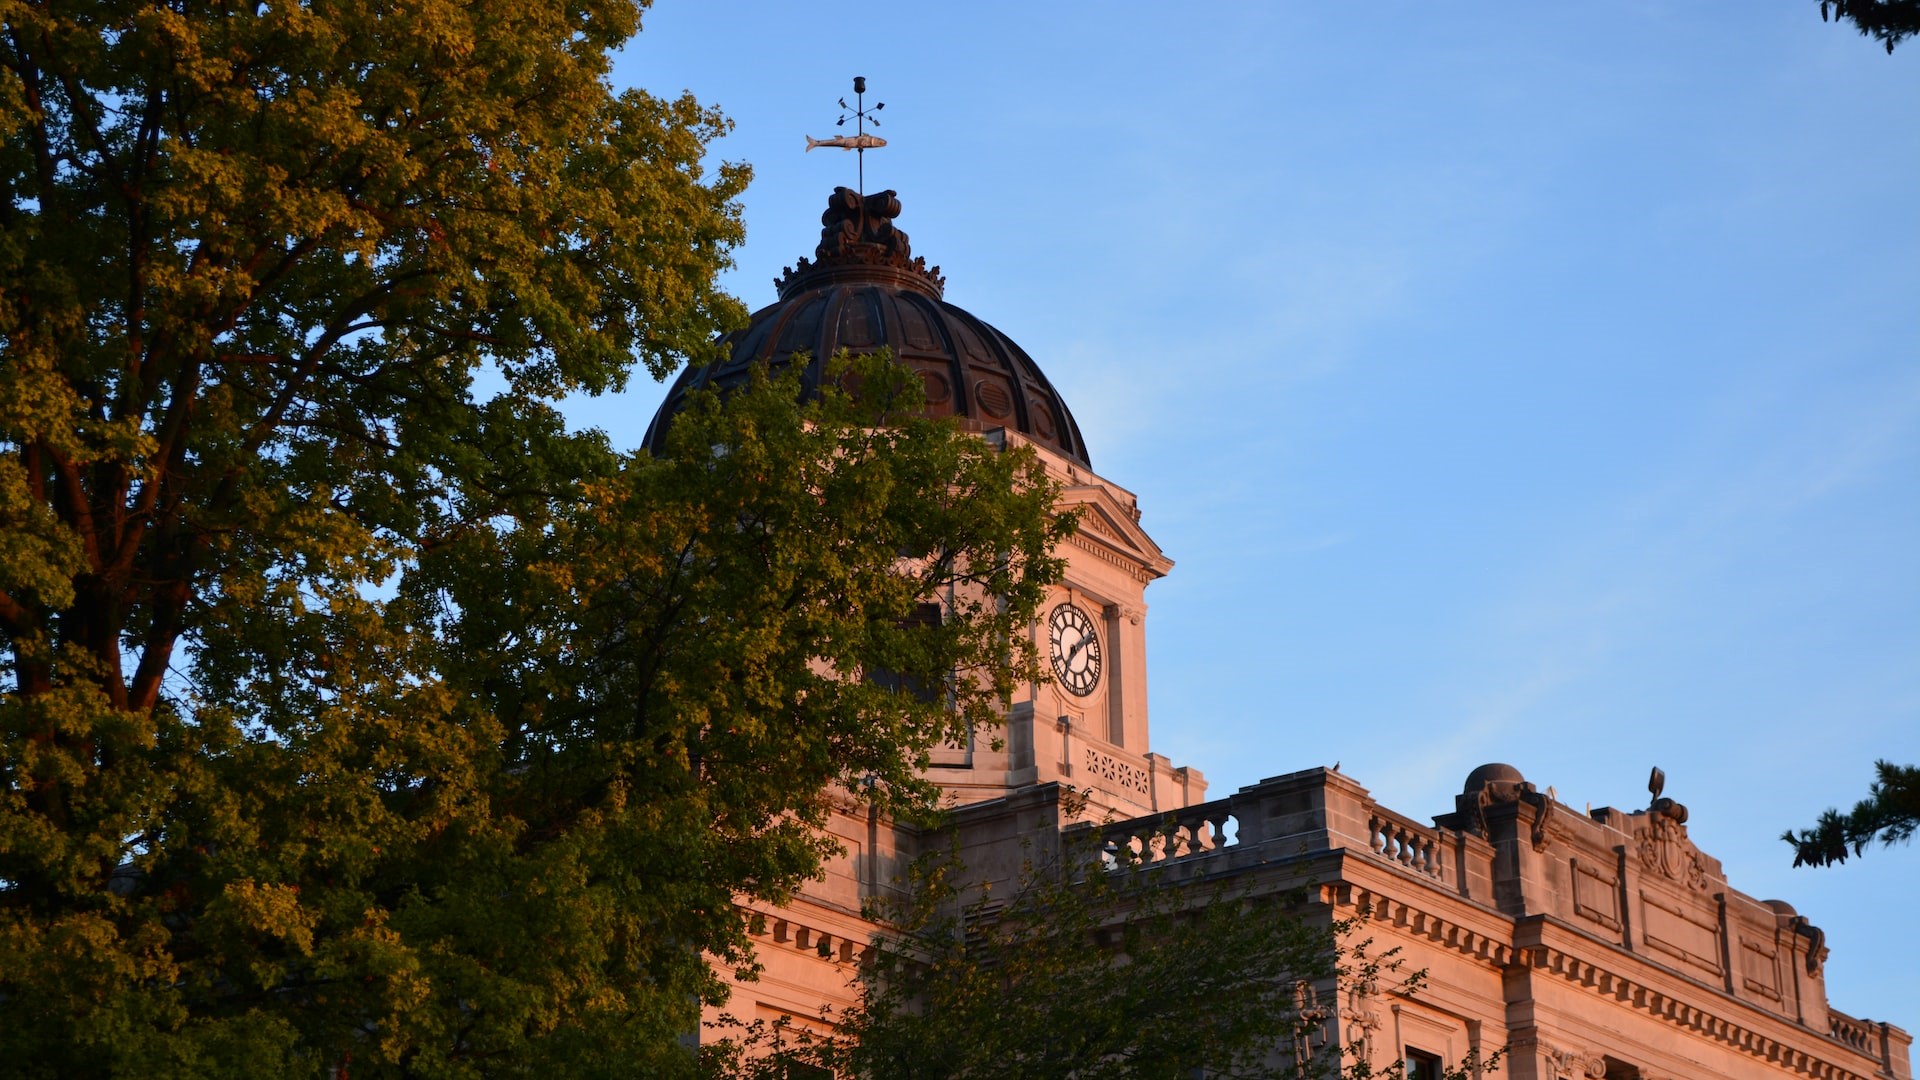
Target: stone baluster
[1182, 834]
[1405, 843]
[1217, 820]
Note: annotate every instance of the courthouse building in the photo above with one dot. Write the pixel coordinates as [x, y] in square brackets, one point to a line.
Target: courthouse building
[1598, 944]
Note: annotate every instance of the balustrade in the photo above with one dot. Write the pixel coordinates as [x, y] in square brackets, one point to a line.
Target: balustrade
[1162, 838]
[1400, 840]
[1862, 1035]
[1275, 815]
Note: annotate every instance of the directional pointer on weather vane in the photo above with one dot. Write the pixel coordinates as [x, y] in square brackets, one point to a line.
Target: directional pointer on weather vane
[859, 142]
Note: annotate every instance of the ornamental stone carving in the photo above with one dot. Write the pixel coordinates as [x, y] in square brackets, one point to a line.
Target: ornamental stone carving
[1359, 1012]
[1309, 1030]
[1497, 785]
[1816, 943]
[1663, 845]
[1575, 1064]
[858, 230]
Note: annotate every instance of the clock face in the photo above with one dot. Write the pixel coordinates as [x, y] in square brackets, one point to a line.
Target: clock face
[1076, 649]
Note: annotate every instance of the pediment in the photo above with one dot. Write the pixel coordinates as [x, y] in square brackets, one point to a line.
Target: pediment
[1107, 526]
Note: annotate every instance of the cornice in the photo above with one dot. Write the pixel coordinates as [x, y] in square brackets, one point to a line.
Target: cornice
[1106, 551]
[781, 929]
[1682, 1013]
[1601, 981]
[1105, 518]
[1495, 951]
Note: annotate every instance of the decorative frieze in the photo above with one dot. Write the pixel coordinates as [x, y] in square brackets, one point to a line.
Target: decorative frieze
[788, 933]
[1111, 769]
[1855, 1035]
[1141, 573]
[1575, 1064]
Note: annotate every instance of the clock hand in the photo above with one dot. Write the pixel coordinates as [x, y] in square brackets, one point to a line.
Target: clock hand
[1080, 645]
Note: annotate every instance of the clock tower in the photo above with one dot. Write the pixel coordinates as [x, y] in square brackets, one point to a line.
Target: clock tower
[1086, 725]
[1586, 944]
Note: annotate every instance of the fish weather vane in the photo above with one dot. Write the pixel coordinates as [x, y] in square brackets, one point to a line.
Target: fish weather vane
[859, 142]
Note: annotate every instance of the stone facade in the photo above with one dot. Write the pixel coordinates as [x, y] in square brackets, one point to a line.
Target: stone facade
[1597, 945]
[1589, 945]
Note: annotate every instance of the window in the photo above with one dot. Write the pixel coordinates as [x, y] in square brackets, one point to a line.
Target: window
[1422, 1065]
[924, 615]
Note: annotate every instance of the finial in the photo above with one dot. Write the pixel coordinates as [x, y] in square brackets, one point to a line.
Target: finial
[859, 142]
[857, 231]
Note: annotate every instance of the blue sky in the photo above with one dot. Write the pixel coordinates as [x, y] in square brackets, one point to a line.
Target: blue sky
[1537, 384]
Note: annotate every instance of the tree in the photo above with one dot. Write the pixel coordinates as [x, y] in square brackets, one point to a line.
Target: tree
[356, 714]
[1093, 967]
[1890, 812]
[1886, 21]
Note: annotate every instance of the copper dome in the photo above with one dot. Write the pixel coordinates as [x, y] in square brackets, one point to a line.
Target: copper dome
[863, 291]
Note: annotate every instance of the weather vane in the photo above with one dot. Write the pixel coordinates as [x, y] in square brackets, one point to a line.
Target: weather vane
[859, 142]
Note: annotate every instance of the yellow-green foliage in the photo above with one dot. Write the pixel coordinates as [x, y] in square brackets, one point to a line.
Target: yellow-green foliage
[354, 717]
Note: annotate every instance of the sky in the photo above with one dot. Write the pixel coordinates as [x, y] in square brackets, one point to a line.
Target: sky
[1524, 383]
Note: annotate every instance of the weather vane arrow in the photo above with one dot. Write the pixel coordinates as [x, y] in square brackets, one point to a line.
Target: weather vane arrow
[860, 142]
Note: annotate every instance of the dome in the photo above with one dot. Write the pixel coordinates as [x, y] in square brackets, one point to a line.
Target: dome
[1492, 772]
[864, 291]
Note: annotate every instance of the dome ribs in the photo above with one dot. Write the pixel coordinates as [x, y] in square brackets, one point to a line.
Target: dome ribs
[864, 291]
